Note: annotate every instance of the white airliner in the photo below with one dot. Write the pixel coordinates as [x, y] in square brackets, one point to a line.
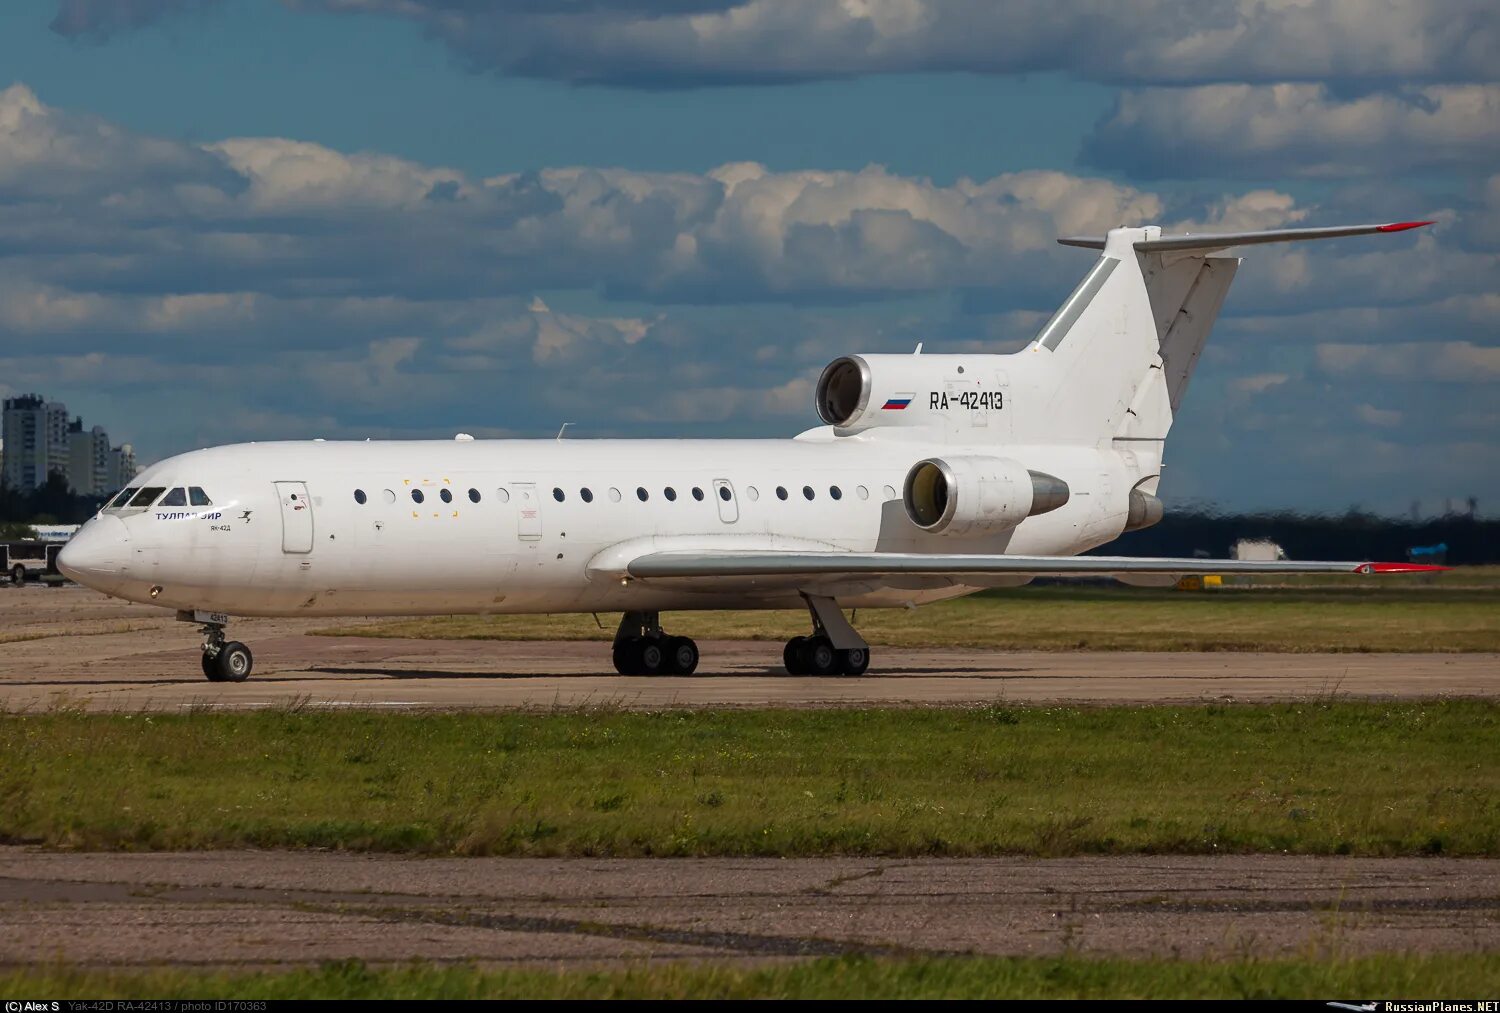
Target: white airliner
[935, 476]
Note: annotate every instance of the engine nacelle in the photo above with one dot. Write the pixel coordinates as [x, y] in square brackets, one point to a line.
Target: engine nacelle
[961, 495]
[859, 392]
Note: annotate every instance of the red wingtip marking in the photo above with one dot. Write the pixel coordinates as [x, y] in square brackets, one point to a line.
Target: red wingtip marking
[1403, 226]
[1404, 568]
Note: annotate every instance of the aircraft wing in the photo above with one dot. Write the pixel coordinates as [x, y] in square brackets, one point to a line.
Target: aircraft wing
[739, 563]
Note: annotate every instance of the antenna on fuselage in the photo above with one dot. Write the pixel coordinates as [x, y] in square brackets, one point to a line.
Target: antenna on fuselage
[564, 429]
[918, 349]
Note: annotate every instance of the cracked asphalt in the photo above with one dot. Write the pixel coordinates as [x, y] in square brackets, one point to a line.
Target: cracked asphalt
[281, 908]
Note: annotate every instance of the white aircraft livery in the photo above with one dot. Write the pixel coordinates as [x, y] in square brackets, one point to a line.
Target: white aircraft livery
[933, 476]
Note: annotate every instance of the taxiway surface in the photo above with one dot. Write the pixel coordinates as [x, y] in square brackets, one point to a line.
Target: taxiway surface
[74, 647]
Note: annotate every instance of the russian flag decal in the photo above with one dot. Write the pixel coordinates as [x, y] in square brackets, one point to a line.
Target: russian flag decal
[898, 403]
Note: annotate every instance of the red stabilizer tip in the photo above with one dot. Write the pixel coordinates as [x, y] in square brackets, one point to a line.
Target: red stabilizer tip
[1403, 226]
[1404, 568]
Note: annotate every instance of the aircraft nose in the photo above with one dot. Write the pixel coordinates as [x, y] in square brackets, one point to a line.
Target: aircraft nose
[97, 554]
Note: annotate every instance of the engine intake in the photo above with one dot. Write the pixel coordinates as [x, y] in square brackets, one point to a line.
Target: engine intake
[843, 390]
[958, 495]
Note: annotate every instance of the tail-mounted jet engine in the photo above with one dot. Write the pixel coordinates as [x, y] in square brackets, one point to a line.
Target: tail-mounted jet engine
[959, 495]
[860, 392]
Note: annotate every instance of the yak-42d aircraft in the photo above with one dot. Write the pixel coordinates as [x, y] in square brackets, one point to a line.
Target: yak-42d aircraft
[934, 476]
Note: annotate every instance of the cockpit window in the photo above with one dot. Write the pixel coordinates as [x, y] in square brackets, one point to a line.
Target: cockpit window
[177, 497]
[197, 497]
[124, 497]
[148, 495]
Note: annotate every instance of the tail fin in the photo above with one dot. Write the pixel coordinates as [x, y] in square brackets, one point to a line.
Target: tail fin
[1113, 364]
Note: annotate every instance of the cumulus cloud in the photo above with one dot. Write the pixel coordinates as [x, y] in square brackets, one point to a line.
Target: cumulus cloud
[337, 294]
[666, 43]
[1257, 131]
[1444, 362]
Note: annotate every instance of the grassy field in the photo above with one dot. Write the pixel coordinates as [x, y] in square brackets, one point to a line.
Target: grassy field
[1360, 614]
[1332, 777]
[1390, 976]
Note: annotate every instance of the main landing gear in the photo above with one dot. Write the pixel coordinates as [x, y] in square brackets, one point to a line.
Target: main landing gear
[223, 660]
[834, 647]
[641, 648]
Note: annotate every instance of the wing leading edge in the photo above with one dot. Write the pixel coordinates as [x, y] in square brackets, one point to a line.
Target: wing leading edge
[760, 563]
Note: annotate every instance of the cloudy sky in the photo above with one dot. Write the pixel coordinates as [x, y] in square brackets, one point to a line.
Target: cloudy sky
[247, 219]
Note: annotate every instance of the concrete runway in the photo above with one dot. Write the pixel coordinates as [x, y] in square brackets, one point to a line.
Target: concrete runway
[75, 647]
[263, 908]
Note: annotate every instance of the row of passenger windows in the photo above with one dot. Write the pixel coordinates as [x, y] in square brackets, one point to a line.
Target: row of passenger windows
[136, 496]
[641, 493]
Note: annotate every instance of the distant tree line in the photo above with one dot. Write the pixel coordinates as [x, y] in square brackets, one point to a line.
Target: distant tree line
[53, 503]
[1355, 535]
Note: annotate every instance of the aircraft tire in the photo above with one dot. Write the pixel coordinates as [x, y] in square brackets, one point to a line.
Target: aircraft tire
[819, 657]
[791, 656]
[855, 661]
[210, 668]
[234, 662]
[18, 574]
[627, 656]
[682, 655]
[653, 654]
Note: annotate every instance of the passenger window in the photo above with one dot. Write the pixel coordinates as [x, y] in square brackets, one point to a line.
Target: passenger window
[473, 495]
[861, 492]
[807, 491]
[559, 495]
[781, 492]
[147, 496]
[641, 493]
[416, 496]
[889, 492]
[614, 495]
[835, 492]
[389, 495]
[446, 496]
[752, 492]
[724, 493]
[670, 493]
[503, 495]
[197, 497]
[586, 495]
[697, 494]
[359, 496]
[177, 497]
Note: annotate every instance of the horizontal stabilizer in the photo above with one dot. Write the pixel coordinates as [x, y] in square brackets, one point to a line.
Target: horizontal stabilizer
[1224, 240]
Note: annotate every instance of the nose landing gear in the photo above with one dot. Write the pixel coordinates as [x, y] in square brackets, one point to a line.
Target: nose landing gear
[223, 660]
[641, 648]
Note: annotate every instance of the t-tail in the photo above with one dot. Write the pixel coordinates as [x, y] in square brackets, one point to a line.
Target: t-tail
[1113, 363]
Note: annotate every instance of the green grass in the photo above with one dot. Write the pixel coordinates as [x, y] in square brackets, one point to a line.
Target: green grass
[1389, 976]
[1323, 777]
[1382, 615]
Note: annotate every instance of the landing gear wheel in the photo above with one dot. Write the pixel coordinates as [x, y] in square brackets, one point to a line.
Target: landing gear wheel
[210, 669]
[18, 574]
[854, 661]
[233, 662]
[653, 655]
[627, 657]
[682, 655]
[818, 656]
[791, 656]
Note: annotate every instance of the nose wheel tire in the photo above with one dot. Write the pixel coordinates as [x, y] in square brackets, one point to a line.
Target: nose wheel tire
[18, 574]
[232, 664]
